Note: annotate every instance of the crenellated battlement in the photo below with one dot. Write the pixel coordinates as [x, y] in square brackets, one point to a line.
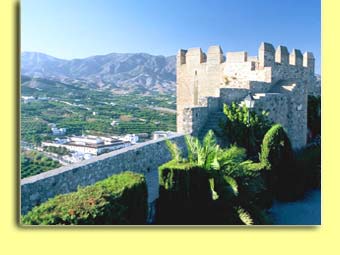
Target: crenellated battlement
[309, 61]
[282, 55]
[295, 58]
[215, 55]
[267, 57]
[229, 76]
[195, 56]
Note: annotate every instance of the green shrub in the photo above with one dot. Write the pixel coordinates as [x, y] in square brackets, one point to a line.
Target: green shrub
[243, 133]
[276, 149]
[119, 199]
[284, 179]
[184, 194]
[211, 186]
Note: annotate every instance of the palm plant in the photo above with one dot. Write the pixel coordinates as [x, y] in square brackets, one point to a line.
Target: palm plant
[229, 172]
[203, 155]
[174, 151]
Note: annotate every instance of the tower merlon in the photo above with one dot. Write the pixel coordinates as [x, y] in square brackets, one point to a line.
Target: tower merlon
[237, 57]
[295, 57]
[195, 56]
[181, 56]
[309, 60]
[282, 55]
[266, 55]
[215, 54]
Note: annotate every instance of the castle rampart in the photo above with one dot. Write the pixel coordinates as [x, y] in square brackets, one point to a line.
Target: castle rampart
[231, 78]
[142, 158]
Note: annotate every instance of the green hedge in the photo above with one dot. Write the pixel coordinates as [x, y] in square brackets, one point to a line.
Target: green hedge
[184, 194]
[285, 180]
[276, 149]
[119, 199]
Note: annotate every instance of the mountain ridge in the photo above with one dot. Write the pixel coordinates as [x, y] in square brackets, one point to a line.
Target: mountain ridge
[118, 72]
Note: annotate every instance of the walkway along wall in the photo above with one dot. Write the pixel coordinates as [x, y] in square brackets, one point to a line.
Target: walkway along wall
[142, 158]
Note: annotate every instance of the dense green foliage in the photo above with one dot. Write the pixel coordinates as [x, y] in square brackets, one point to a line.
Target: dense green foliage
[314, 115]
[277, 157]
[74, 109]
[229, 188]
[276, 149]
[33, 163]
[184, 194]
[119, 199]
[290, 174]
[243, 133]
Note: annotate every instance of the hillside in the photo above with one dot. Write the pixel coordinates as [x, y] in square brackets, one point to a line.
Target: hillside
[118, 72]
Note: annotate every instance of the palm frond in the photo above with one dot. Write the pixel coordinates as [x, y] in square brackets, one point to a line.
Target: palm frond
[209, 139]
[232, 183]
[210, 151]
[244, 216]
[215, 196]
[174, 150]
[193, 147]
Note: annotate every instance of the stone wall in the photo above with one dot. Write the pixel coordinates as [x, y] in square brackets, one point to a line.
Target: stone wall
[199, 75]
[194, 119]
[231, 78]
[142, 158]
[275, 104]
[314, 88]
[229, 95]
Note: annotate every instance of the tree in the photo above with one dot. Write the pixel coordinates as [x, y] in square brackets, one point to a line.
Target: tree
[248, 134]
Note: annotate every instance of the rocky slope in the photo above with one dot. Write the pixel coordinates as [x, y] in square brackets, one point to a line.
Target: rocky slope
[118, 72]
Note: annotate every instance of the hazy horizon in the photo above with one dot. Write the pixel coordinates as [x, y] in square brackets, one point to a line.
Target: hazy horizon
[75, 29]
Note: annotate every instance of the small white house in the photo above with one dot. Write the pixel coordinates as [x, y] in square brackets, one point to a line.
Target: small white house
[28, 99]
[58, 131]
[161, 134]
[132, 138]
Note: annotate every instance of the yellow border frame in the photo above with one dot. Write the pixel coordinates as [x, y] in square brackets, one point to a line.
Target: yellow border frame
[312, 240]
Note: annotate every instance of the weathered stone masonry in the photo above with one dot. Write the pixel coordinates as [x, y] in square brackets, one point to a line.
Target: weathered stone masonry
[279, 81]
[142, 158]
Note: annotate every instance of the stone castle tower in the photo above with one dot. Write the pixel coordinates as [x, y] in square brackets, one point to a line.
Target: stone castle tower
[278, 80]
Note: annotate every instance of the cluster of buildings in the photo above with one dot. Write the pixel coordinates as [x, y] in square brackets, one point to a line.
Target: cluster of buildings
[92, 145]
[86, 146]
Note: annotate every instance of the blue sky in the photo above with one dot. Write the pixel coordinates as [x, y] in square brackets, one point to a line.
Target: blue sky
[81, 28]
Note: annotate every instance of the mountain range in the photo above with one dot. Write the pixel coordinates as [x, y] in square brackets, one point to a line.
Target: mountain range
[117, 72]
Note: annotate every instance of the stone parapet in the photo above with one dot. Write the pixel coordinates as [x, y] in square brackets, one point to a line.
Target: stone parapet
[141, 158]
